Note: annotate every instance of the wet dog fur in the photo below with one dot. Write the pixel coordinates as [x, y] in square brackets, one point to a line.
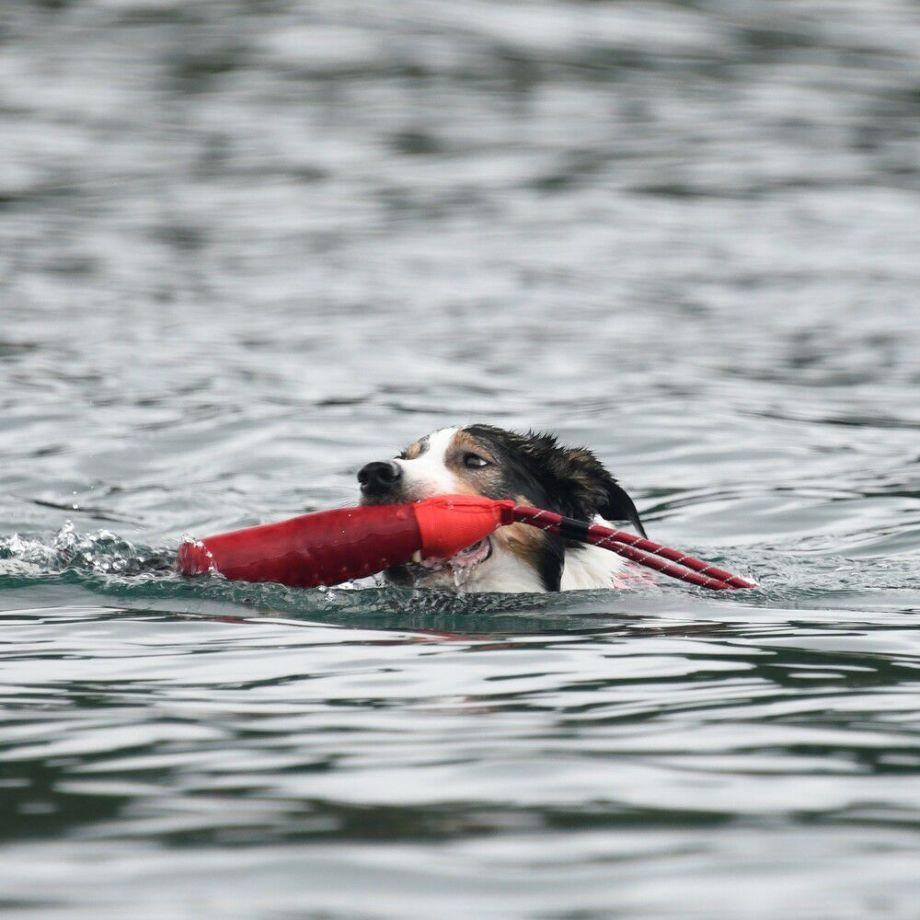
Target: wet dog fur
[530, 468]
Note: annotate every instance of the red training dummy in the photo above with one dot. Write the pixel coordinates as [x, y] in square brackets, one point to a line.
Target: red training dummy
[330, 547]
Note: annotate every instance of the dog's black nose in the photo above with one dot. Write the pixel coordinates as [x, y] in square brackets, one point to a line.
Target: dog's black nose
[379, 477]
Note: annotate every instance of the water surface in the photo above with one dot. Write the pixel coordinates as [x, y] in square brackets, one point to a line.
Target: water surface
[246, 247]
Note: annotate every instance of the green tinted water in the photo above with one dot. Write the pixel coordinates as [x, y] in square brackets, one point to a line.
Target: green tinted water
[247, 247]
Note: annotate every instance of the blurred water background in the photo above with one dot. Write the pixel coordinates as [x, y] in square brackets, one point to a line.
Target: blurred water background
[248, 245]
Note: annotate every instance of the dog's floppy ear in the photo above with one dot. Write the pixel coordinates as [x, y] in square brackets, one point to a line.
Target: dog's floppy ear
[620, 507]
[581, 482]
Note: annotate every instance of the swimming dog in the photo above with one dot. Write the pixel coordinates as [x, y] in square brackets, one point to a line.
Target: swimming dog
[532, 469]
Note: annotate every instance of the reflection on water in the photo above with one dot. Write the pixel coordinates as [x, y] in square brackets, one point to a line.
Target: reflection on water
[245, 247]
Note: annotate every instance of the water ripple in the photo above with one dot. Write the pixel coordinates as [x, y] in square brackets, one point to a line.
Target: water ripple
[246, 248]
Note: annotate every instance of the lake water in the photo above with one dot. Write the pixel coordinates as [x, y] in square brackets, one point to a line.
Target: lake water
[246, 247]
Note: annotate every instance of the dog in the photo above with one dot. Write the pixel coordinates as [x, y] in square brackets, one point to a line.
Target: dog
[532, 469]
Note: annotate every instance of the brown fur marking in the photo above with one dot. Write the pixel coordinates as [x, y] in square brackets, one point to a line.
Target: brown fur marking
[413, 451]
[472, 482]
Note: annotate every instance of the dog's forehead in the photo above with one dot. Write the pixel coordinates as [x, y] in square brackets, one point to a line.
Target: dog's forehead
[486, 439]
[492, 439]
[438, 442]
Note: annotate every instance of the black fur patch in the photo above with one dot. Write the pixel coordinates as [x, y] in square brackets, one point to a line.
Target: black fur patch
[569, 480]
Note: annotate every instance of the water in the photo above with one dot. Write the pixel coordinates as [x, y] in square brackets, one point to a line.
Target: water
[247, 246]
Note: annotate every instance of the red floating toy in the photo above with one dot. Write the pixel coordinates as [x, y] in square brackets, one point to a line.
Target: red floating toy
[330, 547]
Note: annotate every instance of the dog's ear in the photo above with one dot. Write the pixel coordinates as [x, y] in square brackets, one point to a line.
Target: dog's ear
[620, 507]
[581, 483]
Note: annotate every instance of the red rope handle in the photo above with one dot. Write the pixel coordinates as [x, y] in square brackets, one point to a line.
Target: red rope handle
[329, 547]
[636, 549]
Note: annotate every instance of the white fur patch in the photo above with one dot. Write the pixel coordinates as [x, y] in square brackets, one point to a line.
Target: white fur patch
[594, 567]
[504, 572]
[428, 475]
[591, 567]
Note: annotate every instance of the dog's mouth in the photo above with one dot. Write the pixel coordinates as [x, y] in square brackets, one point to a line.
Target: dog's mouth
[465, 560]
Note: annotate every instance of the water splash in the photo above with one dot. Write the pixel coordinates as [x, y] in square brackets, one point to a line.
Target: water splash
[461, 575]
[101, 553]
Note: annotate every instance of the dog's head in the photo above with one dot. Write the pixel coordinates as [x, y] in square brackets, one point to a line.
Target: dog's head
[531, 469]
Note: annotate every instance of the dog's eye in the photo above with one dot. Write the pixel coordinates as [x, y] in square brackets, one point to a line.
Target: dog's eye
[474, 461]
